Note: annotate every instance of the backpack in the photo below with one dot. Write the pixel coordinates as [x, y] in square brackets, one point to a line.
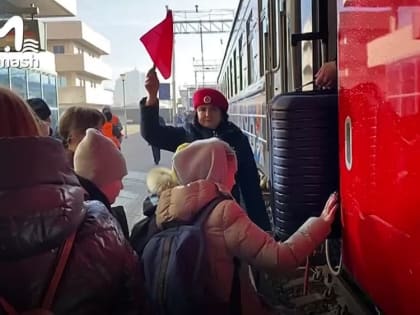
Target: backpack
[48, 299]
[143, 230]
[176, 270]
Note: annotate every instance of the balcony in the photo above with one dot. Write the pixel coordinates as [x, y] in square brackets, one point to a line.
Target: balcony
[83, 64]
[47, 8]
[79, 32]
[77, 95]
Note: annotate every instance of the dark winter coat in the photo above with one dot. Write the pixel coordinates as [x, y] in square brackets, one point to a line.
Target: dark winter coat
[247, 179]
[94, 193]
[41, 204]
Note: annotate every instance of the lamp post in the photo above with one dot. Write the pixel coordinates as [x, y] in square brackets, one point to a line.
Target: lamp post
[123, 77]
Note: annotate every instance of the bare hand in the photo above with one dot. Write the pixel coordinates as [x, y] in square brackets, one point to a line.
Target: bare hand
[331, 206]
[152, 86]
[326, 77]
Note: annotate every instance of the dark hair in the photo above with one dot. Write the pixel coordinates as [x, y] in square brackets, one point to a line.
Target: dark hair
[17, 119]
[40, 108]
[108, 115]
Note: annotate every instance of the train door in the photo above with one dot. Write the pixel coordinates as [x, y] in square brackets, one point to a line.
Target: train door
[304, 143]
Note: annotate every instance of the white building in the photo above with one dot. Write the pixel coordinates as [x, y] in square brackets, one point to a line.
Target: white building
[134, 89]
[78, 58]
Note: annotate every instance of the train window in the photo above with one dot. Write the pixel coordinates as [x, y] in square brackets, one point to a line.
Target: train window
[274, 23]
[230, 79]
[348, 143]
[252, 49]
[263, 35]
[235, 73]
[307, 49]
[244, 63]
[239, 59]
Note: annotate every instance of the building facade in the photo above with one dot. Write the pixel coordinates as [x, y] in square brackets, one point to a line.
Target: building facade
[81, 71]
[134, 89]
[32, 74]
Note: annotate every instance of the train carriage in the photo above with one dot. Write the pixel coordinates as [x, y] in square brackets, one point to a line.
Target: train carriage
[361, 138]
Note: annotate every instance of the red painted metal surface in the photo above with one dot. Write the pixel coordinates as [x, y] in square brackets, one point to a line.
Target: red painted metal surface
[379, 69]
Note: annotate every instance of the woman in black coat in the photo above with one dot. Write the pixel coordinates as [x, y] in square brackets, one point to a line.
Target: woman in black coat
[210, 120]
[42, 208]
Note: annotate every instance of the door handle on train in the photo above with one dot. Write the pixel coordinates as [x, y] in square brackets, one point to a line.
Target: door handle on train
[300, 37]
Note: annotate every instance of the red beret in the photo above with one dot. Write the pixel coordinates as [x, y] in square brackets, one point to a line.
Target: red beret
[207, 96]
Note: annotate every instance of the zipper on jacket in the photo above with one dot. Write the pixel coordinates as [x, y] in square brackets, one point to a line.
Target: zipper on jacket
[162, 273]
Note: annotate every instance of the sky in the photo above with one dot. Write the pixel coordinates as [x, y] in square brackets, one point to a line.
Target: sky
[124, 21]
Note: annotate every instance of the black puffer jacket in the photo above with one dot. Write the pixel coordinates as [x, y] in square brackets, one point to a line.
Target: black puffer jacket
[41, 204]
[94, 193]
[169, 138]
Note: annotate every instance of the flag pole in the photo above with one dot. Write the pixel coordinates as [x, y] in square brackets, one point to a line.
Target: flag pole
[174, 106]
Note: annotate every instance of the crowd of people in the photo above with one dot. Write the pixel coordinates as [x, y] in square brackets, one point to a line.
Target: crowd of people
[65, 249]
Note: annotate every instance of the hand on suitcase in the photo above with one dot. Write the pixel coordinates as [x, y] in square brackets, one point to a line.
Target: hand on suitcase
[331, 206]
[326, 77]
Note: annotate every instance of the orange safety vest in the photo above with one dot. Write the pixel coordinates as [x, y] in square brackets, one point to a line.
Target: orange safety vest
[107, 131]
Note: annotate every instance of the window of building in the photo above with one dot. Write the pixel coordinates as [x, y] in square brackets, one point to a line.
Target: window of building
[18, 80]
[49, 89]
[80, 82]
[58, 49]
[4, 77]
[62, 81]
[34, 84]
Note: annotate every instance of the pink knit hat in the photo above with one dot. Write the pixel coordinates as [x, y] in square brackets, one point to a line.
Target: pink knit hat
[211, 159]
[97, 159]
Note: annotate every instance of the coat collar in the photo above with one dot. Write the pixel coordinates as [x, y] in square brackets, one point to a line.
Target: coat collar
[94, 193]
[41, 201]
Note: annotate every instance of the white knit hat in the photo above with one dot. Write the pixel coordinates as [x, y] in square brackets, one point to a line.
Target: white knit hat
[98, 159]
[211, 159]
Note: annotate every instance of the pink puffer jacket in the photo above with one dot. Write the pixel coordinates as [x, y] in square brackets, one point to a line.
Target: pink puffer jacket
[230, 233]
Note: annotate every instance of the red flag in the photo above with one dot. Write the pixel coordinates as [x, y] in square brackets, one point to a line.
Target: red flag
[159, 42]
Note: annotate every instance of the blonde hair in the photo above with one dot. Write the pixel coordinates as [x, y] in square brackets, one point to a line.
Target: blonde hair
[181, 147]
[16, 117]
[79, 119]
[160, 179]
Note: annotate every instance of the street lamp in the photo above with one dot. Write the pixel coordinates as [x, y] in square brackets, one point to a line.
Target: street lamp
[123, 77]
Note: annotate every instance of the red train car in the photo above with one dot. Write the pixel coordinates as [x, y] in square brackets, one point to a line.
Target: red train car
[274, 51]
[379, 119]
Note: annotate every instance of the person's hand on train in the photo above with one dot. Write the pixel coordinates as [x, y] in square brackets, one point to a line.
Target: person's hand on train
[152, 87]
[331, 206]
[326, 77]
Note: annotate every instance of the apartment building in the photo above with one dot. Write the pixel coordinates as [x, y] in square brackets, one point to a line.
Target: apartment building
[81, 71]
[32, 74]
